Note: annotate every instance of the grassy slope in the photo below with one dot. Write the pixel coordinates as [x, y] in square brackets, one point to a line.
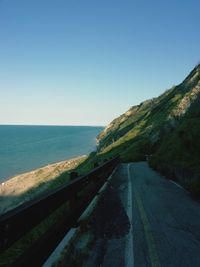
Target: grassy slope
[178, 154]
[30, 185]
[143, 130]
[168, 127]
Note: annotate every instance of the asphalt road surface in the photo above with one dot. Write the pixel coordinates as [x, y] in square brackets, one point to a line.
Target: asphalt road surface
[143, 219]
[165, 221]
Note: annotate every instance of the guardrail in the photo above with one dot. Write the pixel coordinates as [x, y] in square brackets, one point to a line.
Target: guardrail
[16, 223]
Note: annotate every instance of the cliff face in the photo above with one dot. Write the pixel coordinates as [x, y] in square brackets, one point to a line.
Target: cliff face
[166, 127]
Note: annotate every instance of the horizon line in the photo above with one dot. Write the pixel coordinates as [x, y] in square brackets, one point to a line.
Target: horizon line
[60, 125]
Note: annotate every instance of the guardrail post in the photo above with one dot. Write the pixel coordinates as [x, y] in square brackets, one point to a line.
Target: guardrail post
[73, 175]
[72, 202]
[96, 164]
[73, 199]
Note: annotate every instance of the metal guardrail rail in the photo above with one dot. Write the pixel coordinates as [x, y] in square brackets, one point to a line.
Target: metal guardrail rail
[15, 223]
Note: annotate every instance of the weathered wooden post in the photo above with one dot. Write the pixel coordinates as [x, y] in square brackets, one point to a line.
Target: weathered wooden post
[96, 164]
[73, 200]
[73, 175]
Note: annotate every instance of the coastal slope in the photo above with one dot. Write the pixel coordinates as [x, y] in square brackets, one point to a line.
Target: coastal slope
[165, 130]
[30, 185]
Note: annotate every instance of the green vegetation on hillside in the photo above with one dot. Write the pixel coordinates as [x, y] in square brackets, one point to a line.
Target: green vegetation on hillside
[167, 128]
[178, 154]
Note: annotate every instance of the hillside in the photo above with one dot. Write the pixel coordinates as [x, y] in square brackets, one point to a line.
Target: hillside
[166, 127]
[30, 185]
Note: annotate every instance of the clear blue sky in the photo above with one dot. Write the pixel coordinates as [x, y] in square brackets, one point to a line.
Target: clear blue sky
[80, 62]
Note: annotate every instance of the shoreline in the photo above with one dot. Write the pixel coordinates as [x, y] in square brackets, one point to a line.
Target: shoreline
[27, 147]
[6, 179]
[26, 186]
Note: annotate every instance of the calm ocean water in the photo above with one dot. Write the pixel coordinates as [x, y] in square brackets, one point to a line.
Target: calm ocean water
[24, 148]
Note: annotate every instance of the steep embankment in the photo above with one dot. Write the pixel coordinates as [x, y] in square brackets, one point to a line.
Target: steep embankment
[166, 127]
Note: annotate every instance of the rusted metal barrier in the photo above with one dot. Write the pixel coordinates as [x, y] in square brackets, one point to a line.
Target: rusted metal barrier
[16, 223]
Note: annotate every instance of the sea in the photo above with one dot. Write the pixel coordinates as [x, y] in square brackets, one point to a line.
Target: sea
[24, 148]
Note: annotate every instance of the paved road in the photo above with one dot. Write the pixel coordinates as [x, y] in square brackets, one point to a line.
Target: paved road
[165, 220]
[143, 219]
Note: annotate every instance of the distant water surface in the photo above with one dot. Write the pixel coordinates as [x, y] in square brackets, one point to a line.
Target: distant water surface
[24, 148]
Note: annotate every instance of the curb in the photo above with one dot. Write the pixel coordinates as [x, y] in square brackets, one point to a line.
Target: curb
[74, 233]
